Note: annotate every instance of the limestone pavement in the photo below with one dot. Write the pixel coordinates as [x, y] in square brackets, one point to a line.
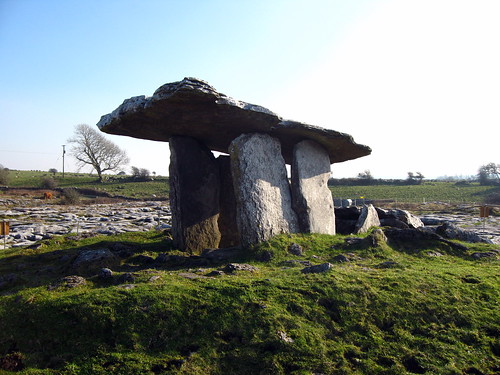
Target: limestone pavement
[29, 224]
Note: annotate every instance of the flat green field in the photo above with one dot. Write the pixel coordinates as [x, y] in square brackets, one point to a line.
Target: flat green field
[114, 185]
[447, 192]
[429, 191]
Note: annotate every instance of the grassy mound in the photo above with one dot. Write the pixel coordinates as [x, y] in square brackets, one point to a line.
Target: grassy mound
[380, 309]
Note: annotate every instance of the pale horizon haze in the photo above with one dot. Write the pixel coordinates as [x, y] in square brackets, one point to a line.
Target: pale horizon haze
[416, 80]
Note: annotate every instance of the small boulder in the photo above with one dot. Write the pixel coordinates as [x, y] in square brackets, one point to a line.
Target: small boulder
[232, 267]
[295, 249]
[105, 274]
[126, 278]
[319, 268]
[91, 261]
[452, 232]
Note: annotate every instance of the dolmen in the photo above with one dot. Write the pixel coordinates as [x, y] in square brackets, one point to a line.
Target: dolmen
[243, 196]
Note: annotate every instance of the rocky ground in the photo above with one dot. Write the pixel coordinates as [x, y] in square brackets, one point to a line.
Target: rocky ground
[468, 218]
[30, 222]
[33, 220]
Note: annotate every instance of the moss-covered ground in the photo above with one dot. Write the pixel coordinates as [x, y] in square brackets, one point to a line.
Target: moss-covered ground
[389, 310]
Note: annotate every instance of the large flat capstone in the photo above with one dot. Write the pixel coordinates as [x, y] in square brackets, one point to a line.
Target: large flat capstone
[193, 108]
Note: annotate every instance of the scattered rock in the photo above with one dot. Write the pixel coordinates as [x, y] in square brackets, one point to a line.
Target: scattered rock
[324, 267]
[232, 267]
[388, 264]
[452, 232]
[91, 261]
[341, 258]
[127, 286]
[295, 249]
[396, 217]
[220, 255]
[436, 254]
[283, 336]
[105, 274]
[485, 254]
[413, 236]
[294, 262]
[72, 281]
[126, 278]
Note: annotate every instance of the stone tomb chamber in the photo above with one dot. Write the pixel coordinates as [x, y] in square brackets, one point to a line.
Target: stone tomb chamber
[246, 197]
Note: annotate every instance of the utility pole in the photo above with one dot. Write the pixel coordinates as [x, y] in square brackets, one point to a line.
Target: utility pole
[64, 151]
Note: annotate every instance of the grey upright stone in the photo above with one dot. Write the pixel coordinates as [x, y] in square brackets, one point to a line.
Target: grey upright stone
[312, 199]
[261, 187]
[367, 219]
[194, 195]
[227, 219]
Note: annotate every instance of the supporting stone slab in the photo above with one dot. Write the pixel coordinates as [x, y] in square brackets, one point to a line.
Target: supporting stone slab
[261, 187]
[194, 195]
[227, 218]
[312, 199]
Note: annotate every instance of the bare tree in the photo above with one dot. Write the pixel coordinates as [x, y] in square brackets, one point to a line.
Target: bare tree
[90, 147]
[489, 173]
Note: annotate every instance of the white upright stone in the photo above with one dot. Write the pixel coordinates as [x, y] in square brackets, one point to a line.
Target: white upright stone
[312, 199]
[261, 187]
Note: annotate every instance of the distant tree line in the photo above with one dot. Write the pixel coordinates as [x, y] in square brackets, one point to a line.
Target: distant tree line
[488, 174]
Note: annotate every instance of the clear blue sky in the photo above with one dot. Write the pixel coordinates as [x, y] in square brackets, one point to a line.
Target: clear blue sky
[416, 80]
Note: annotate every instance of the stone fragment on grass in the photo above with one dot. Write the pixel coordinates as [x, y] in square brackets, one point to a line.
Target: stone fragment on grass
[485, 254]
[105, 273]
[232, 267]
[319, 268]
[91, 261]
[295, 249]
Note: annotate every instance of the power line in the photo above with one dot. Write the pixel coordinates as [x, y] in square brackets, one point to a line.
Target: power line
[30, 152]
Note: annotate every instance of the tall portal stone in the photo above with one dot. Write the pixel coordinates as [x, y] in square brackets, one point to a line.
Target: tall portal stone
[194, 195]
[227, 218]
[312, 199]
[261, 187]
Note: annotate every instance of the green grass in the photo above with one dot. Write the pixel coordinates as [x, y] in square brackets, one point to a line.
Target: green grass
[424, 314]
[447, 192]
[429, 191]
[114, 185]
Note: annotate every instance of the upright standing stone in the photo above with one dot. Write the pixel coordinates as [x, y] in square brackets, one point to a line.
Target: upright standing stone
[312, 199]
[194, 195]
[261, 187]
[367, 219]
[227, 218]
